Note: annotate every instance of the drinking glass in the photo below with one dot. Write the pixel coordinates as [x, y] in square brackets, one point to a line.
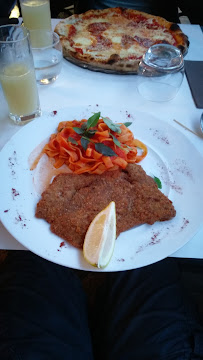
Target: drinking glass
[17, 74]
[47, 54]
[160, 73]
[36, 14]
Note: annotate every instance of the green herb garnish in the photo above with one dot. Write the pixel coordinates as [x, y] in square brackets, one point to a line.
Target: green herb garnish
[127, 124]
[84, 126]
[78, 130]
[111, 125]
[84, 142]
[86, 133]
[116, 141]
[105, 150]
[73, 141]
[158, 182]
[90, 133]
[93, 120]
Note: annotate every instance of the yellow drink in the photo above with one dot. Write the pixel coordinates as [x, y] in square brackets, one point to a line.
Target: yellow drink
[41, 38]
[36, 14]
[20, 89]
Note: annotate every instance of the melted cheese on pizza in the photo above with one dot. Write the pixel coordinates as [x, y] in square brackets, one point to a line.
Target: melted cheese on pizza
[102, 38]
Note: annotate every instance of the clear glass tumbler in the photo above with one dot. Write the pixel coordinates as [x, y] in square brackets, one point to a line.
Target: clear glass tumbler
[47, 55]
[160, 73]
[36, 14]
[17, 74]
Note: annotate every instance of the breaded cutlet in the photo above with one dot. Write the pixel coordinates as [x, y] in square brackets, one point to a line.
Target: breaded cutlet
[71, 201]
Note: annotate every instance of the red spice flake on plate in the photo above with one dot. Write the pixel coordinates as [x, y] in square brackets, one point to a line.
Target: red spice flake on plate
[160, 137]
[14, 193]
[19, 219]
[62, 244]
[182, 167]
[177, 188]
[12, 161]
[185, 223]
[154, 239]
[127, 114]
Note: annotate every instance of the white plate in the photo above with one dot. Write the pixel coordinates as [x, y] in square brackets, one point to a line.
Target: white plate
[171, 157]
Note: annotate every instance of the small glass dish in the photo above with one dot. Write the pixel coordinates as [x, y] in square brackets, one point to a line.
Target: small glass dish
[160, 72]
[47, 55]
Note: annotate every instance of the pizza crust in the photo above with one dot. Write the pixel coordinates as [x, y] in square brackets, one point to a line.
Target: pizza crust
[115, 39]
[114, 64]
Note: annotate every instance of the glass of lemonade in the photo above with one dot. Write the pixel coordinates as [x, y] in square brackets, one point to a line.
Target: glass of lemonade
[47, 55]
[17, 74]
[36, 14]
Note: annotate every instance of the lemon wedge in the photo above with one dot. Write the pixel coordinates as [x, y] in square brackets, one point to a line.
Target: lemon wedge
[100, 237]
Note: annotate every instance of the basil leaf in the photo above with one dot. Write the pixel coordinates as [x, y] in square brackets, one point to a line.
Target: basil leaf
[116, 142]
[104, 149]
[78, 130]
[93, 120]
[158, 182]
[84, 126]
[111, 125]
[84, 142]
[89, 133]
[73, 141]
[129, 147]
[127, 124]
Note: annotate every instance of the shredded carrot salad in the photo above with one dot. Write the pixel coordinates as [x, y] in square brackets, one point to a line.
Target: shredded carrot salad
[94, 145]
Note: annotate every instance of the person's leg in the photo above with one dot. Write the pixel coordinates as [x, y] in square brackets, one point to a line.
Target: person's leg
[145, 316]
[42, 311]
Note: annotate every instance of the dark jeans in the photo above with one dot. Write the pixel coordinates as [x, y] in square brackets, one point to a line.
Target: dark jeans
[141, 314]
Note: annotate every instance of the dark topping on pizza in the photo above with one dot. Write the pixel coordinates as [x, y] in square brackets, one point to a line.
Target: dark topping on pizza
[144, 41]
[127, 41]
[101, 44]
[154, 25]
[98, 27]
[137, 18]
[90, 15]
[133, 24]
[147, 42]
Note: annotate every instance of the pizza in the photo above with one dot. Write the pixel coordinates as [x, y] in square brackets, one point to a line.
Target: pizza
[115, 39]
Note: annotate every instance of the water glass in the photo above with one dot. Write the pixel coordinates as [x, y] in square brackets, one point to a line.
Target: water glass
[160, 72]
[47, 54]
[17, 74]
[36, 14]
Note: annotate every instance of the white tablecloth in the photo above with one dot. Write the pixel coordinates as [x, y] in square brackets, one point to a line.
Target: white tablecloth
[80, 87]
